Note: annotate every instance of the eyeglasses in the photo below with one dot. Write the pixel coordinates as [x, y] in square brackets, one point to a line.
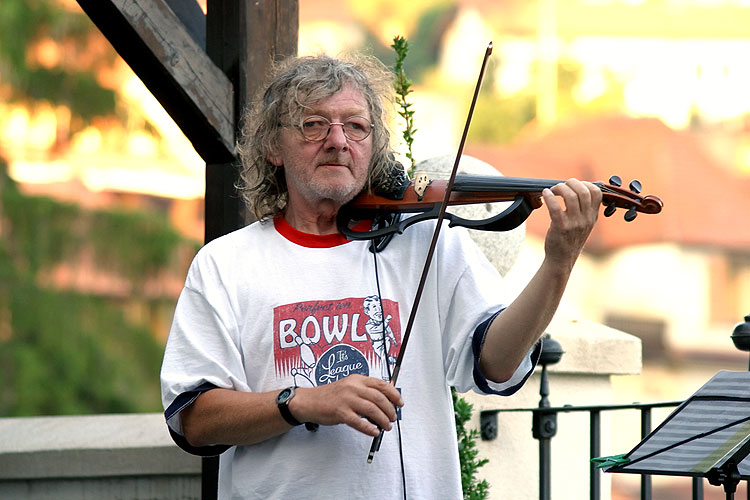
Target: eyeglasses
[316, 128]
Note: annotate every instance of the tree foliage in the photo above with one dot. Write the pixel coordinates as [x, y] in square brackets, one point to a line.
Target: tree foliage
[68, 78]
[498, 120]
[63, 351]
[424, 40]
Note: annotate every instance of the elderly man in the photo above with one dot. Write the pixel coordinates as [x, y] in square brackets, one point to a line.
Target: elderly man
[285, 297]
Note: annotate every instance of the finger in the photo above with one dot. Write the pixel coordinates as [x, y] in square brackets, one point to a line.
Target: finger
[387, 389]
[596, 194]
[375, 414]
[553, 205]
[363, 425]
[359, 413]
[387, 407]
[582, 192]
[590, 197]
[363, 403]
[575, 194]
[386, 401]
[368, 428]
[371, 398]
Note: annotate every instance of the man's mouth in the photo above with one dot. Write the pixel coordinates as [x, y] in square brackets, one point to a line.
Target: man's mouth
[334, 166]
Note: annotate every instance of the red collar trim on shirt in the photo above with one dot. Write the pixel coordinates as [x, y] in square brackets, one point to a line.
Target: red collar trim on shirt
[313, 240]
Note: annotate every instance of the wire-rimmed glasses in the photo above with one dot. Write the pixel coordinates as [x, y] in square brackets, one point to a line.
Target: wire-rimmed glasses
[316, 128]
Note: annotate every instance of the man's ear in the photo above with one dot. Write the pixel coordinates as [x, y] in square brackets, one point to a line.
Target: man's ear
[275, 159]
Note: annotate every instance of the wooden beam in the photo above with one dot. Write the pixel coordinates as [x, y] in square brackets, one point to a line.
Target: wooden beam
[243, 39]
[192, 18]
[174, 66]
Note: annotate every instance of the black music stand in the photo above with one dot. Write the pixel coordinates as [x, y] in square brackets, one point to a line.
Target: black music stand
[706, 436]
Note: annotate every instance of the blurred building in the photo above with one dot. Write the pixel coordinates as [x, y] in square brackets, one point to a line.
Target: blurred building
[658, 94]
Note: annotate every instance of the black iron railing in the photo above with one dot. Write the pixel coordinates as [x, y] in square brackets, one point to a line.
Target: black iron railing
[544, 428]
[544, 423]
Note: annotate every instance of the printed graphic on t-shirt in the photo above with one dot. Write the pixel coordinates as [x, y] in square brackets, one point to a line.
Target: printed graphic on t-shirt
[321, 341]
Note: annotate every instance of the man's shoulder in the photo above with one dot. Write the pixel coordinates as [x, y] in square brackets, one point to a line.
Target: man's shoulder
[238, 237]
[228, 247]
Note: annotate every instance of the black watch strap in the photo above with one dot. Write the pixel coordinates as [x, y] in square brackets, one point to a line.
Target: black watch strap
[282, 402]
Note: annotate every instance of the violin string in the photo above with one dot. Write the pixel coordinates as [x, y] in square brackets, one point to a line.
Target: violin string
[469, 183]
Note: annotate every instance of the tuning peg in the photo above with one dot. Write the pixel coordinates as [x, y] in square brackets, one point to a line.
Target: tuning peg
[630, 214]
[635, 186]
[615, 181]
[610, 209]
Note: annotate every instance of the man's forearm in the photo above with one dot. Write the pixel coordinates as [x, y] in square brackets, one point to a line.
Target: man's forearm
[515, 330]
[223, 416]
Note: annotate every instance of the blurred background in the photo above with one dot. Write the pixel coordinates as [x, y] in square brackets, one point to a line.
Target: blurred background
[101, 194]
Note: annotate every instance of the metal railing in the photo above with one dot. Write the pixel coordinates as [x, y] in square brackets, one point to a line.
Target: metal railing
[544, 424]
[544, 428]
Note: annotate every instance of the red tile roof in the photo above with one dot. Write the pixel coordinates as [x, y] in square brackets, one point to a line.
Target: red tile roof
[704, 203]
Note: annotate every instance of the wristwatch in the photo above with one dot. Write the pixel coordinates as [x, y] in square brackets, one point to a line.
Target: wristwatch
[282, 401]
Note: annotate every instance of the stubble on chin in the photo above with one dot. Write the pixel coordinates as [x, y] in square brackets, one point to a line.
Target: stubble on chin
[317, 191]
[334, 188]
[340, 194]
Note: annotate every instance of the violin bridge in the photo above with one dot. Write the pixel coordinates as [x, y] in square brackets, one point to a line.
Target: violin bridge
[421, 183]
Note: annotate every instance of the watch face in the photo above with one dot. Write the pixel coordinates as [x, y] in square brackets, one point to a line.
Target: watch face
[284, 395]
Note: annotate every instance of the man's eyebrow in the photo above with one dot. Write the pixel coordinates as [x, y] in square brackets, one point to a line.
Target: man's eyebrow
[348, 110]
[346, 113]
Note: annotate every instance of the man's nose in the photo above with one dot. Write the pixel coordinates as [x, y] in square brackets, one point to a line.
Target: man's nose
[336, 137]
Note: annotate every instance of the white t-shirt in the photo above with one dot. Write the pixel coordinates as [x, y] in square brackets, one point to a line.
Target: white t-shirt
[267, 307]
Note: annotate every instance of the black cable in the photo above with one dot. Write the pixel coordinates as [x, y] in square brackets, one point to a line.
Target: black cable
[387, 363]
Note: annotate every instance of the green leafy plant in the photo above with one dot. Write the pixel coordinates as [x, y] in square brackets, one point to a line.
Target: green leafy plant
[69, 80]
[473, 488]
[402, 86]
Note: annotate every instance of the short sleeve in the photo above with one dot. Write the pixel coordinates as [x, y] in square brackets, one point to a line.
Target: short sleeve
[476, 298]
[202, 351]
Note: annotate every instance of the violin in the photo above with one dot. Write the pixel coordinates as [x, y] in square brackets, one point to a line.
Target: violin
[422, 199]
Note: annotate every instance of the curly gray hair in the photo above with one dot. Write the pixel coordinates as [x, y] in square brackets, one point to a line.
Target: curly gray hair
[297, 84]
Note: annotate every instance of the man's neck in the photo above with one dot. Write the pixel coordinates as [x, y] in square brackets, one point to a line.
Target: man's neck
[320, 220]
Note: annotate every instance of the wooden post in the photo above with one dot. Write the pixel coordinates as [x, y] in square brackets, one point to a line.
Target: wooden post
[243, 39]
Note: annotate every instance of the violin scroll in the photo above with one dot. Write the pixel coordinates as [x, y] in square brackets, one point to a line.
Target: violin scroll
[615, 196]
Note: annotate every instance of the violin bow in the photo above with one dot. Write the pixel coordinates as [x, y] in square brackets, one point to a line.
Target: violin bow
[433, 244]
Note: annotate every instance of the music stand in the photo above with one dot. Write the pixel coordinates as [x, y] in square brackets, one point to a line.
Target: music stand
[708, 436]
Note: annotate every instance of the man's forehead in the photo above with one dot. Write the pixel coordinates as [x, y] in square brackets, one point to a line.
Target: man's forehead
[348, 98]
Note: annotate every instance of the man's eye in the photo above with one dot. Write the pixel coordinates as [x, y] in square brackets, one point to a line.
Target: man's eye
[357, 124]
[314, 124]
